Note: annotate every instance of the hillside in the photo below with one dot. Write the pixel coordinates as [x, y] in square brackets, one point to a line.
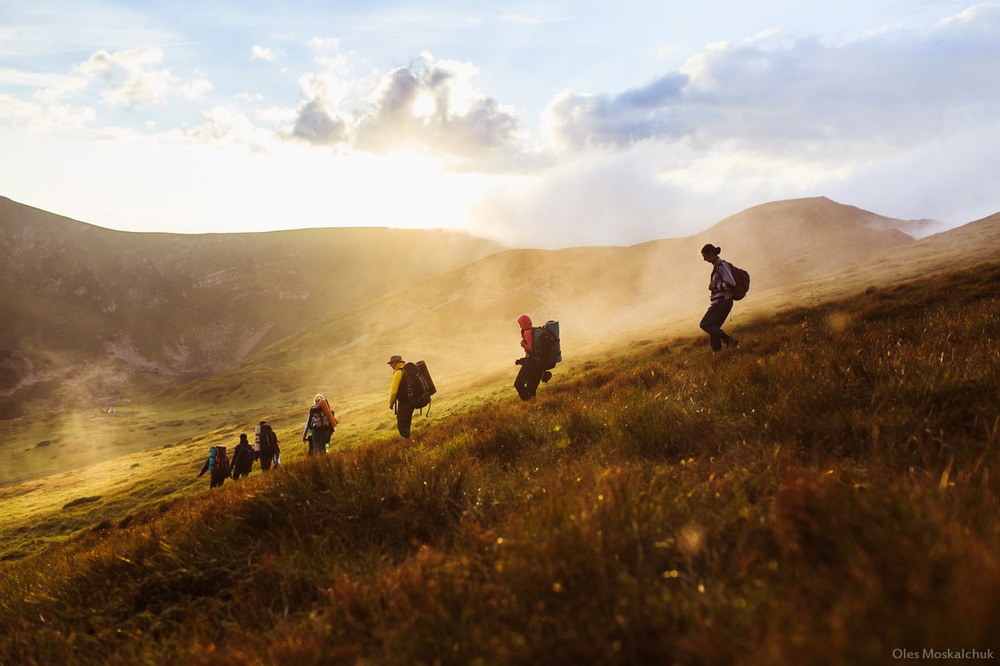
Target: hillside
[97, 317]
[826, 493]
[462, 322]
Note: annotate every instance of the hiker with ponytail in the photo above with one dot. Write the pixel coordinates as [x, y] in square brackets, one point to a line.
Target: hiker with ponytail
[722, 287]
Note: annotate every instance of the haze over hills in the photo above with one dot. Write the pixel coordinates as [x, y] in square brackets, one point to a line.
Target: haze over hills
[462, 322]
[96, 315]
[258, 333]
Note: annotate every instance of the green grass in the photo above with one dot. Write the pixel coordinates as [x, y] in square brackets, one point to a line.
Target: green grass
[827, 493]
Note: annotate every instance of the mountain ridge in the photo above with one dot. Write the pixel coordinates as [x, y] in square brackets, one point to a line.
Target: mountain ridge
[144, 311]
[461, 320]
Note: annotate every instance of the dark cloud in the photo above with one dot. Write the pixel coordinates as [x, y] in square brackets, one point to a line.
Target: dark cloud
[578, 121]
[882, 92]
[431, 105]
[315, 125]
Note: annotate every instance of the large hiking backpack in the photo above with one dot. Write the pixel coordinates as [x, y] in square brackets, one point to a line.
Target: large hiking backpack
[218, 462]
[242, 458]
[320, 416]
[545, 344]
[418, 385]
[268, 440]
[742, 282]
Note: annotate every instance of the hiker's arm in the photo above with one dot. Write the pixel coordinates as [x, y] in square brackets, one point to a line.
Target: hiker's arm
[527, 341]
[726, 276]
[397, 377]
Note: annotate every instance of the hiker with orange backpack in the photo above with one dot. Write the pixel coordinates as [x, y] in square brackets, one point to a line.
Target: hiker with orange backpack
[218, 466]
[320, 425]
[723, 289]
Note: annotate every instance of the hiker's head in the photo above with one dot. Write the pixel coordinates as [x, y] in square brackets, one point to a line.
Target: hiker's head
[318, 399]
[710, 252]
[394, 360]
[524, 321]
[243, 438]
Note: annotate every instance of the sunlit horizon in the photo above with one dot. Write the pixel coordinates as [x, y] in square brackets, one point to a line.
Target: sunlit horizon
[546, 125]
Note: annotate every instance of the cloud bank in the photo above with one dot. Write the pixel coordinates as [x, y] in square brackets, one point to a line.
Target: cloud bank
[901, 122]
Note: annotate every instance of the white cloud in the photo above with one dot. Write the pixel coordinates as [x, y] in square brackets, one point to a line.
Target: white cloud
[258, 52]
[130, 78]
[45, 117]
[326, 51]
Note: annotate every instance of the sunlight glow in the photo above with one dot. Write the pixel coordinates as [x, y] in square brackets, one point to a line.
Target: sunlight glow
[231, 188]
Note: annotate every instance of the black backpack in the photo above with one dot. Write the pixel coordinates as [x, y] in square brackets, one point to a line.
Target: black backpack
[742, 282]
[545, 346]
[268, 440]
[418, 387]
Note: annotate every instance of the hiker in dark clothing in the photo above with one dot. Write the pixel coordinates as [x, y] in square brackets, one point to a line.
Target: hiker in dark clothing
[218, 464]
[397, 397]
[320, 425]
[720, 286]
[266, 445]
[532, 370]
[242, 458]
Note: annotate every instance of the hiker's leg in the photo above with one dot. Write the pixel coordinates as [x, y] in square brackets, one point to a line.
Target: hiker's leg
[521, 381]
[314, 439]
[712, 322]
[533, 375]
[404, 417]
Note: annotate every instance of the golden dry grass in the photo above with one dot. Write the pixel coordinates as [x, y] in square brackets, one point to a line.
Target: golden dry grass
[824, 494]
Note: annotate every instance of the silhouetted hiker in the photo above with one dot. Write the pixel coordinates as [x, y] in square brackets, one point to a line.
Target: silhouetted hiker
[720, 285]
[541, 353]
[242, 458]
[531, 371]
[218, 464]
[397, 397]
[267, 445]
[320, 424]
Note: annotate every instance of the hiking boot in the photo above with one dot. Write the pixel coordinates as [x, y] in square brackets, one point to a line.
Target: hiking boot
[546, 376]
[732, 342]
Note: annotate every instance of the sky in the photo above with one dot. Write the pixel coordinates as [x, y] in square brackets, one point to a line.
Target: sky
[549, 123]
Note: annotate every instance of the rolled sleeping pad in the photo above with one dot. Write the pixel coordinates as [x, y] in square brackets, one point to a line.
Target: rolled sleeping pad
[329, 413]
[553, 325]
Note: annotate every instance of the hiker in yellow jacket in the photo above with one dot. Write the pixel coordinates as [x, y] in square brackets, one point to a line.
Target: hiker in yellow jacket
[397, 397]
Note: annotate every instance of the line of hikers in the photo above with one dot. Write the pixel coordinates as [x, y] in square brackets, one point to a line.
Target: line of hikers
[412, 387]
[265, 451]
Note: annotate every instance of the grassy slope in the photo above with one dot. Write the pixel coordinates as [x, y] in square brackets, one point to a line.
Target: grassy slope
[464, 319]
[825, 494]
